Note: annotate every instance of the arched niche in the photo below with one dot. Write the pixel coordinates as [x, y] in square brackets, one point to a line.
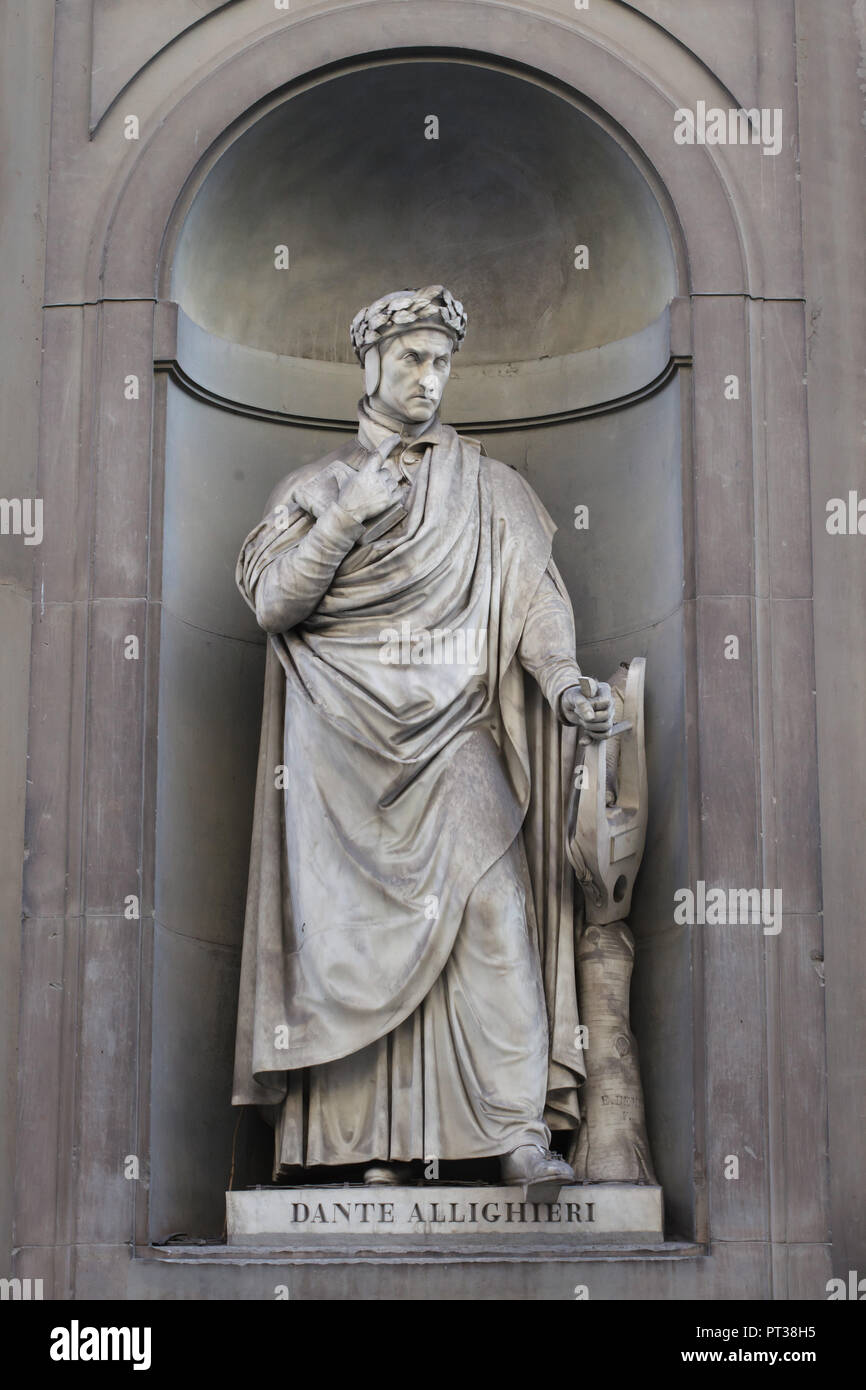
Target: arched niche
[572, 376]
[416, 168]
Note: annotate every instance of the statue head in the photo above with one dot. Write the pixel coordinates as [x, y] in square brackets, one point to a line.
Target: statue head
[405, 342]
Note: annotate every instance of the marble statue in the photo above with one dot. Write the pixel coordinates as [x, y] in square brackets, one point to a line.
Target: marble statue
[409, 984]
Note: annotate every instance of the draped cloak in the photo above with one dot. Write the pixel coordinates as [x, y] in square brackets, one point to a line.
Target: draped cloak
[404, 783]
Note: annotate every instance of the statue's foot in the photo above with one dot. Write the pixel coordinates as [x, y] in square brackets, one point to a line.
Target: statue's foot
[538, 1171]
[387, 1174]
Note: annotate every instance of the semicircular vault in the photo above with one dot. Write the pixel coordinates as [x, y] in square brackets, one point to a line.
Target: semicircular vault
[415, 172]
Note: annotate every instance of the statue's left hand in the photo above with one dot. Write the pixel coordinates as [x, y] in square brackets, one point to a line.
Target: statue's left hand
[594, 715]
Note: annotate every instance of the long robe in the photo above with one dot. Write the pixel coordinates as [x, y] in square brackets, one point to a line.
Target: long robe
[406, 787]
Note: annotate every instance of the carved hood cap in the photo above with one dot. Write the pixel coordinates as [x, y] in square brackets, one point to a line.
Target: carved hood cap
[402, 310]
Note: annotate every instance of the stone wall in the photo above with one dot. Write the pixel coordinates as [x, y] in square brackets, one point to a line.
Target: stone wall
[125, 1021]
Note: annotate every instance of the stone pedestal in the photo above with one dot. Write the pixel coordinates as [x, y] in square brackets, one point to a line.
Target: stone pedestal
[343, 1215]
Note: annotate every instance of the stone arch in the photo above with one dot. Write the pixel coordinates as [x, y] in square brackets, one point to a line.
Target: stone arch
[128, 249]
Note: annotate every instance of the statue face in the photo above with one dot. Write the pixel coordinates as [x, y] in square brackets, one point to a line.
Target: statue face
[415, 368]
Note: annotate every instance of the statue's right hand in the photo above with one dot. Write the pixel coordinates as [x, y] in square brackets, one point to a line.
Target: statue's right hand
[369, 491]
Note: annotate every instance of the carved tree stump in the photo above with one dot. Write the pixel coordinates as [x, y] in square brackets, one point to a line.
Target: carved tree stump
[606, 837]
[611, 1144]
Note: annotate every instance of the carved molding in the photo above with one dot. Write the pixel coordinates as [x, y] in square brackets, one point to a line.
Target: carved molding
[490, 397]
